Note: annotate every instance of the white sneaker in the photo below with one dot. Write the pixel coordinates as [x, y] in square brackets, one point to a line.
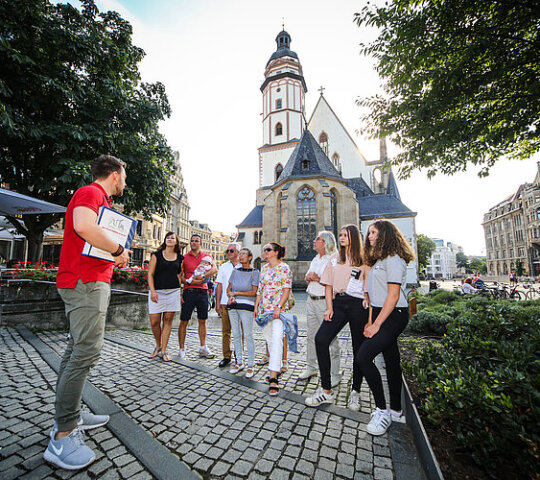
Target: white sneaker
[236, 368]
[320, 397]
[182, 354]
[307, 374]
[249, 372]
[354, 401]
[379, 423]
[397, 417]
[204, 352]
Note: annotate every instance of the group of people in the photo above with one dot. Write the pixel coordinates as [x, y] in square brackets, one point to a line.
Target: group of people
[349, 283]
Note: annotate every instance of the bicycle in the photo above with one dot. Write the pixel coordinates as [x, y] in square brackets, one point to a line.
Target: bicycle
[513, 293]
[532, 292]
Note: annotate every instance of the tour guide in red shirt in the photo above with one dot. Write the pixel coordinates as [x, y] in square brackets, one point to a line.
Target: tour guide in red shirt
[84, 285]
[195, 295]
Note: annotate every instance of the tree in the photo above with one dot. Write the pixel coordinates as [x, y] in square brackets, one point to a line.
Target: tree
[520, 268]
[478, 265]
[425, 248]
[462, 81]
[70, 90]
[462, 261]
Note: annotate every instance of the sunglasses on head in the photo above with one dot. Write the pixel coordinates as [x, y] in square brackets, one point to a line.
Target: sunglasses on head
[231, 250]
[268, 249]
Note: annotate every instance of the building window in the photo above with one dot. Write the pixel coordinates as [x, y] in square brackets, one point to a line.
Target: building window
[139, 227]
[278, 104]
[306, 212]
[323, 142]
[333, 213]
[278, 170]
[279, 129]
[257, 237]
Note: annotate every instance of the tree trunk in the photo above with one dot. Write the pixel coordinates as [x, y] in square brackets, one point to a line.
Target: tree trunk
[35, 246]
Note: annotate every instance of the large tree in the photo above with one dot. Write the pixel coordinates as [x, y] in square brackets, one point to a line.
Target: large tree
[461, 81]
[425, 248]
[70, 90]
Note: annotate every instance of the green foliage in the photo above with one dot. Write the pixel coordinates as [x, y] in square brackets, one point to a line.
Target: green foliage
[482, 383]
[520, 269]
[443, 296]
[425, 248]
[462, 261]
[429, 322]
[478, 265]
[70, 90]
[461, 81]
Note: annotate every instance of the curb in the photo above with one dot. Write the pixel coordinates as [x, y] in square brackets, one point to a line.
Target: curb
[423, 446]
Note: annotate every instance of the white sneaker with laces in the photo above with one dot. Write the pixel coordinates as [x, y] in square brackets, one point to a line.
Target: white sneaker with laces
[397, 417]
[236, 368]
[249, 372]
[320, 397]
[70, 452]
[204, 352]
[182, 354]
[379, 423]
[354, 401]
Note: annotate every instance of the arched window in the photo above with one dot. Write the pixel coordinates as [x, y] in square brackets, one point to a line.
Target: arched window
[323, 142]
[333, 213]
[279, 129]
[335, 161]
[278, 170]
[257, 237]
[306, 212]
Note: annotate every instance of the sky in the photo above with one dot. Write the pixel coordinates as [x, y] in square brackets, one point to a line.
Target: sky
[211, 55]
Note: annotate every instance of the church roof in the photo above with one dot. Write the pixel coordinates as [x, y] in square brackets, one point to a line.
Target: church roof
[308, 160]
[253, 219]
[360, 187]
[392, 186]
[283, 41]
[382, 206]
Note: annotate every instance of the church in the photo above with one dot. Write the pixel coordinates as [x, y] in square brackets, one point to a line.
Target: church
[312, 176]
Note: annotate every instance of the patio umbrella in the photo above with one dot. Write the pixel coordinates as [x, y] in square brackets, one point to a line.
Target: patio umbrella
[13, 203]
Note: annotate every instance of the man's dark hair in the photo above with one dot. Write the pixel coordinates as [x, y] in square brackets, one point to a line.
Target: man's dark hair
[104, 165]
[195, 235]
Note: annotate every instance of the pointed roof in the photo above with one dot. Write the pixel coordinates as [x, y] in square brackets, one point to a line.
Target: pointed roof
[382, 206]
[253, 219]
[308, 160]
[392, 186]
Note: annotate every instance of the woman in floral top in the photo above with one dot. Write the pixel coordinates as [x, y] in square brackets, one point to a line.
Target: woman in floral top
[272, 298]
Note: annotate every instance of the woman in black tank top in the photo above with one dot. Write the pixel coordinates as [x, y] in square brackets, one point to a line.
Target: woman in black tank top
[164, 292]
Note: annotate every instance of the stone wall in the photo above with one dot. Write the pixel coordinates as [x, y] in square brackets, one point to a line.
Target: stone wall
[38, 305]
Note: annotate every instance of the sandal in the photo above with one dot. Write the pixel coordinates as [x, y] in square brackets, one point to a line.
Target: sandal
[262, 361]
[273, 388]
[166, 357]
[155, 353]
[283, 366]
[268, 377]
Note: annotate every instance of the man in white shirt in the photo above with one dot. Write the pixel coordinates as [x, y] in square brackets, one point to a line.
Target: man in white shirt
[325, 246]
[222, 282]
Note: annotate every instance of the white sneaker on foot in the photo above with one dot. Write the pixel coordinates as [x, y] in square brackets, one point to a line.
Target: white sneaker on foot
[307, 374]
[236, 368]
[182, 354]
[249, 372]
[204, 352]
[354, 401]
[320, 397]
[70, 452]
[397, 417]
[379, 423]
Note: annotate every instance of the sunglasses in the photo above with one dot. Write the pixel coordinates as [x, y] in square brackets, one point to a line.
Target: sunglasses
[268, 249]
[231, 250]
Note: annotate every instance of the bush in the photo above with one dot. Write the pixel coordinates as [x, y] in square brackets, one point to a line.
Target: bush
[429, 322]
[482, 383]
[443, 296]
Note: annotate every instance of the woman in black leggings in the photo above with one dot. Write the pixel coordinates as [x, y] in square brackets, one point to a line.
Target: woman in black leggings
[343, 278]
[387, 253]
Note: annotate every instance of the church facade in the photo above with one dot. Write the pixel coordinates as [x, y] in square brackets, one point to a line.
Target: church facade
[312, 176]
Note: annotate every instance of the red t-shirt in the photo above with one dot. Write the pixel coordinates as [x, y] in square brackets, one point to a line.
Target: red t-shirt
[73, 264]
[190, 263]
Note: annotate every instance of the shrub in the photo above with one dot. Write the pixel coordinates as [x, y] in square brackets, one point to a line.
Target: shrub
[429, 322]
[443, 296]
[482, 383]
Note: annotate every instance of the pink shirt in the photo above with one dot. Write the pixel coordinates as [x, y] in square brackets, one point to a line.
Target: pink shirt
[337, 275]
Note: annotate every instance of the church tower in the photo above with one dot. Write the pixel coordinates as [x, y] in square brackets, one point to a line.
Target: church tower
[283, 115]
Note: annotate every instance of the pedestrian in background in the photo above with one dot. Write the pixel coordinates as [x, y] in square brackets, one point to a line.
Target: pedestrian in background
[325, 246]
[343, 278]
[241, 291]
[387, 252]
[164, 273]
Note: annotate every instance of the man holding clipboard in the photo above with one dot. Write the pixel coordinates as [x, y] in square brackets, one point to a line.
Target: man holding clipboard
[83, 282]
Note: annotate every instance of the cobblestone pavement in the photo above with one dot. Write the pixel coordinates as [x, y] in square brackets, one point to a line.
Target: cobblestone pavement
[219, 425]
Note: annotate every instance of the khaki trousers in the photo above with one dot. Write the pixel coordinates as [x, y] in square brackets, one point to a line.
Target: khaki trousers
[226, 333]
[86, 308]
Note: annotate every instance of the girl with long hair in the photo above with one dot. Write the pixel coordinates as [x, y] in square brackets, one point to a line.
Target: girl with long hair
[343, 279]
[387, 252]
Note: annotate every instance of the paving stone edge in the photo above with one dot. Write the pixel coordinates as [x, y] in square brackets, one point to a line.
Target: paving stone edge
[157, 458]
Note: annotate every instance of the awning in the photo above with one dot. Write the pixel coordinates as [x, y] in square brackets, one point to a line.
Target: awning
[13, 203]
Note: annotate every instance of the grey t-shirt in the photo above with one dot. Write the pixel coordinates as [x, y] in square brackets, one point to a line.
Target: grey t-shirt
[243, 280]
[392, 269]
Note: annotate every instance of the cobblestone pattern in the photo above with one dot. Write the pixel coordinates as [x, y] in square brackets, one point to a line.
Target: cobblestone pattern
[296, 362]
[26, 417]
[225, 430]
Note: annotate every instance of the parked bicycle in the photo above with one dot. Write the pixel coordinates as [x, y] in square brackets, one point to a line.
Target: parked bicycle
[531, 293]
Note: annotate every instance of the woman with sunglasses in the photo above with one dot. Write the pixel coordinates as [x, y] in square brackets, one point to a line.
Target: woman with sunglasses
[164, 272]
[272, 298]
[343, 278]
[387, 252]
[241, 291]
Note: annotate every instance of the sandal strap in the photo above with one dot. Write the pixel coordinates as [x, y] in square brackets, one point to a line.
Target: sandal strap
[273, 381]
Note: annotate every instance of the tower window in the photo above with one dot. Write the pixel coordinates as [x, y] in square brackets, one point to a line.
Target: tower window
[278, 90]
[323, 142]
[279, 129]
[278, 170]
[305, 164]
[278, 104]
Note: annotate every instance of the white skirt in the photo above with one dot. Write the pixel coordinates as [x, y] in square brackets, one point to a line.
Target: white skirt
[168, 301]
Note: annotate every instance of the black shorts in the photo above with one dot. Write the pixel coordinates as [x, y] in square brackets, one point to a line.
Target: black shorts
[194, 298]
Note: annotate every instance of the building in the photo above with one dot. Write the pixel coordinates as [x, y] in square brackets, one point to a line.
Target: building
[312, 176]
[443, 260]
[512, 232]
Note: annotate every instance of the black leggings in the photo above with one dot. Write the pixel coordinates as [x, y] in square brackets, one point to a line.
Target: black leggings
[385, 342]
[349, 310]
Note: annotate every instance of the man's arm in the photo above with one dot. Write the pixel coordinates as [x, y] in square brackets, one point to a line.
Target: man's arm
[199, 279]
[85, 225]
[219, 290]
